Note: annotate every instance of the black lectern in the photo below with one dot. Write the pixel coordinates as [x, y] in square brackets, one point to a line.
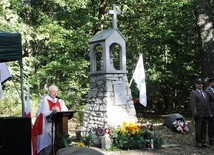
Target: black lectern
[15, 136]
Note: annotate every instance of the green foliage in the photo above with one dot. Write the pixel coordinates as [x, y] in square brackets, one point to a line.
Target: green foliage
[164, 44]
[79, 115]
[64, 140]
[132, 136]
[55, 36]
[88, 139]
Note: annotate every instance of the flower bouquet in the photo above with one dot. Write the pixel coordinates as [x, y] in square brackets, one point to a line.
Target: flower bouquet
[133, 136]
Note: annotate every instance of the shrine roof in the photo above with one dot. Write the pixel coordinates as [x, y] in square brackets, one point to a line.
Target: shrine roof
[104, 35]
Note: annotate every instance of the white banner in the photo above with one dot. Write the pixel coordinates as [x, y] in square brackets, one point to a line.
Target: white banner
[4, 72]
[139, 77]
[4, 75]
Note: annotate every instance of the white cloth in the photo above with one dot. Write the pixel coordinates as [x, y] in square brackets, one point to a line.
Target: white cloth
[1, 92]
[44, 105]
[139, 77]
[47, 110]
[4, 75]
[4, 72]
[43, 139]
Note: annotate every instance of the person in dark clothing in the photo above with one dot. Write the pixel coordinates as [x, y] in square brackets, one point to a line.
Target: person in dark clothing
[201, 111]
[210, 94]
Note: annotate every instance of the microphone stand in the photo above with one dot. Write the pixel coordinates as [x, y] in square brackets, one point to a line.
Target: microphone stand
[52, 131]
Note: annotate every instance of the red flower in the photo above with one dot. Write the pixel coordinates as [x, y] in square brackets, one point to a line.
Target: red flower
[107, 131]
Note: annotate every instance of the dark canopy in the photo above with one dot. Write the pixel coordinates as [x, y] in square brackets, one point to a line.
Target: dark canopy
[11, 50]
[10, 46]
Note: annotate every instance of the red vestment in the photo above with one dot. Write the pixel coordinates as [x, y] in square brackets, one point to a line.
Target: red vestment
[53, 106]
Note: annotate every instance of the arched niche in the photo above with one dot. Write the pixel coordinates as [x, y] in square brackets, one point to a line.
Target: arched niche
[115, 53]
[98, 49]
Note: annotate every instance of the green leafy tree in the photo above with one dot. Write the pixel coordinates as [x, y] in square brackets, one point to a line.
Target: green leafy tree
[55, 36]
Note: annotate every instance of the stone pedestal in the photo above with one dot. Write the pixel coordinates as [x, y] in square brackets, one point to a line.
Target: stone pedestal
[109, 102]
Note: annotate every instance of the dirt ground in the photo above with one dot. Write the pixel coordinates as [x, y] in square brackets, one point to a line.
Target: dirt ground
[174, 143]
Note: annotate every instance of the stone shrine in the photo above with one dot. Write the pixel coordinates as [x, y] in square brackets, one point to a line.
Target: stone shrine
[109, 101]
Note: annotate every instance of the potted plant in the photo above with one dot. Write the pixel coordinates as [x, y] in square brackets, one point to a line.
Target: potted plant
[78, 132]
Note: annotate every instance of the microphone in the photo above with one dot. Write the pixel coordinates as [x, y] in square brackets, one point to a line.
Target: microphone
[58, 97]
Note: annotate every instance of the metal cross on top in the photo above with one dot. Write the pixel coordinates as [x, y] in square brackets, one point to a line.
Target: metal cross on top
[114, 12]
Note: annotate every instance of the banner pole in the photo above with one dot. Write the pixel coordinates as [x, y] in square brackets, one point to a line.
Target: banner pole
[130, 82]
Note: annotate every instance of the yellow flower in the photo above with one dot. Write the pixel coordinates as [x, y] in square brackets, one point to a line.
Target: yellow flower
[133, 132]
[124, 124]
[131, 124]
[81, 144]
[122, 130]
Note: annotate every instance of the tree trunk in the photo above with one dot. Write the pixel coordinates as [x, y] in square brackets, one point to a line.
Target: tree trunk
[205, 32]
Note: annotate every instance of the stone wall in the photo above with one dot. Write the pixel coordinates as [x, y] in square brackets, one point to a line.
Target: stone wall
[109, 101]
